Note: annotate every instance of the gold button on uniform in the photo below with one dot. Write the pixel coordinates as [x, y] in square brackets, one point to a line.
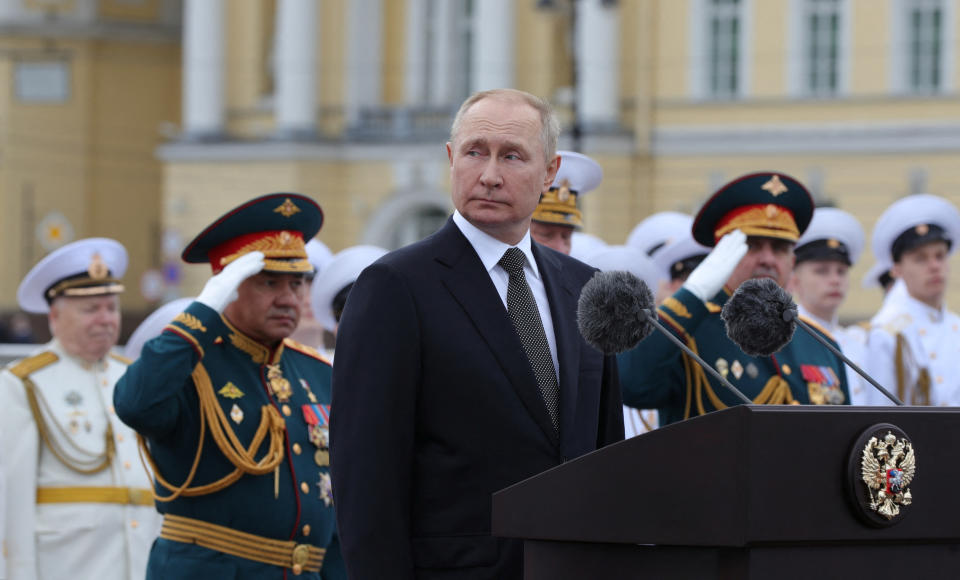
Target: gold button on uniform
[286, 410]
[933, 356]
[306, 530]
[120, 438]
[296, 448]
[126, 465]
[305, 487]
[786, 369]
[134, 524]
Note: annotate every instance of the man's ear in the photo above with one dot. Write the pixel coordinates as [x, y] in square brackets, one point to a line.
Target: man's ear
[552, 169]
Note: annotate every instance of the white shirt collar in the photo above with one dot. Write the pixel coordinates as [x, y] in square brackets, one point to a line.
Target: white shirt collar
[489, 248]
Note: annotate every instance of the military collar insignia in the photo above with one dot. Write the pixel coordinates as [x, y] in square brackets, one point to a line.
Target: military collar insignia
[259, 353]
[882, 464]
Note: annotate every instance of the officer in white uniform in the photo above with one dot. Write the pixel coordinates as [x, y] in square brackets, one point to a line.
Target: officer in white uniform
[328, 294]
[79, 503]
[824, 254]
[914, 339]
[557, 215]
[631, 259]
[662, 230]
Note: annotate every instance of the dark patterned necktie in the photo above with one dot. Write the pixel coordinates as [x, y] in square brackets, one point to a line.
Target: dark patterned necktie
[523, 312]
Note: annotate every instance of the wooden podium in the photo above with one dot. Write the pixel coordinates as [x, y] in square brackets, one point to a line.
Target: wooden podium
[747, 492]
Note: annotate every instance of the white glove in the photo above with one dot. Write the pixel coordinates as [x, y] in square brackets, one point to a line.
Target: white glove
[713, 272]
[222, 288]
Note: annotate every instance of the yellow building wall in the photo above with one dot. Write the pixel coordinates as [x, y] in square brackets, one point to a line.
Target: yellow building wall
[870, 26]
[196, 193]
[89, 158]
[671, 29]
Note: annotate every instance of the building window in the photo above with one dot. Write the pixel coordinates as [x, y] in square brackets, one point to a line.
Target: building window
[925, 34]
[822, 22]
[46, 82]
[724, 29]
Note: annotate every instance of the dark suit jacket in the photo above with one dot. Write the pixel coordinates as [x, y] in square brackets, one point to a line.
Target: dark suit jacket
[435, 407]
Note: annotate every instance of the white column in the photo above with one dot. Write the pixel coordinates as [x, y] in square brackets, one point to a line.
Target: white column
[415, 56]
[598, 62]
[491, 45]
[296, 68]
[443, 52]
[203, 65]
[364, 61]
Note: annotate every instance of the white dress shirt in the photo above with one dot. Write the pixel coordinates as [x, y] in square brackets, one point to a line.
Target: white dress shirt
[490, 251]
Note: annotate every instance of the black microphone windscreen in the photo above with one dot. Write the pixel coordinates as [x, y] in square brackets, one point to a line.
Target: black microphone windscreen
[755, 319]
[612, 311]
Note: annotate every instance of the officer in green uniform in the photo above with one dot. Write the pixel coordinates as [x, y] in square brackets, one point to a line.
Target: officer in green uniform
[752, 223]
[234, 413]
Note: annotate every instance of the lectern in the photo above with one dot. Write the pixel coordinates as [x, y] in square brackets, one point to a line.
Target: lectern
[748, 492]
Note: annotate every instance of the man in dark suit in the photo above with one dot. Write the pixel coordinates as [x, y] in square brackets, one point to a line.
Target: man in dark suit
[445, 390]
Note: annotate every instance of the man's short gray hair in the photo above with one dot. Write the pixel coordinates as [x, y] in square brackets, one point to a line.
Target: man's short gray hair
[549, 125]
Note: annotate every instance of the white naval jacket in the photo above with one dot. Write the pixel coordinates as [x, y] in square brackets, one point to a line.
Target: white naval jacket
[105, 541]
[932, 343]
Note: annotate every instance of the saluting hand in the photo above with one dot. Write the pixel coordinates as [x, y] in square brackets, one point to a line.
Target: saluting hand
[221, 289]
[714, 271]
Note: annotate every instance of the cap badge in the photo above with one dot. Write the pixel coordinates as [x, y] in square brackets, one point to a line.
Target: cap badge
[922, 229]
[97, 269]
[287, 208]
[771, 211]
[774, 186]
[833, 243]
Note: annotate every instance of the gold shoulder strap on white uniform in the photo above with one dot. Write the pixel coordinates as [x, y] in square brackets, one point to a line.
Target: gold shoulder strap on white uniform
[91, 463]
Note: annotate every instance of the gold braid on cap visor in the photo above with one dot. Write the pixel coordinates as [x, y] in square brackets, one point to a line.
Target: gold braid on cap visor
[767, 220]
[85, 287]
[283, 252]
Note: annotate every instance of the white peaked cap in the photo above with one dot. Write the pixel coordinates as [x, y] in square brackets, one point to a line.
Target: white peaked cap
[343, 270]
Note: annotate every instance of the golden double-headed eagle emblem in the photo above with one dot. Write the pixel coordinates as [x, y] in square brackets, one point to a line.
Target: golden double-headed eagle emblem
[888, 466]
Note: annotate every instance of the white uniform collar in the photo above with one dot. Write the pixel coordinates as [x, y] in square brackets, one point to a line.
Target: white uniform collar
[491, 249]
[830, 326]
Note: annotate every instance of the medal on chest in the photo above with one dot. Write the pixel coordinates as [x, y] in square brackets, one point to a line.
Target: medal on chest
[278, 385]
[317, 418]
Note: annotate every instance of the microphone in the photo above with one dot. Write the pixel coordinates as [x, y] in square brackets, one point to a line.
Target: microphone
[761, 318]
[615, 312]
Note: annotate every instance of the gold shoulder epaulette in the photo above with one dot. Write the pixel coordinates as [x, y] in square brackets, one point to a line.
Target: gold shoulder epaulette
[121, 358]
[713, 307]
[307, 350]
[32, 364]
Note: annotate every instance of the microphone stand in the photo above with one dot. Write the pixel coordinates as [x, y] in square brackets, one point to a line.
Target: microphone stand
[791, 314]
[651, 317]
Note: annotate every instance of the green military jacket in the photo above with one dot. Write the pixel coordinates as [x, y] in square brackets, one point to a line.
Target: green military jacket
[657, 374]
[287, 387]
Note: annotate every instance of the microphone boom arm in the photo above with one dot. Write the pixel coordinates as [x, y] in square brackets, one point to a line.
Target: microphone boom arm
[652, 318]
[843, 357]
